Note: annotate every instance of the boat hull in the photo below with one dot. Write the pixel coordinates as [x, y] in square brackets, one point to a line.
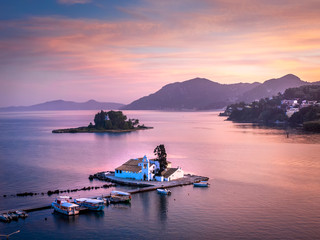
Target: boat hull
[164, 191]
[90, 206]
[201, 185]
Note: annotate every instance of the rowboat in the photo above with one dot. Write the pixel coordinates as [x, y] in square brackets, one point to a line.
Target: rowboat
[163, 191]
[90, 203]
[201, 184]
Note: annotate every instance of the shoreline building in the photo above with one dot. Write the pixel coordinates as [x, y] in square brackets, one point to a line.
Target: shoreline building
[145, 169]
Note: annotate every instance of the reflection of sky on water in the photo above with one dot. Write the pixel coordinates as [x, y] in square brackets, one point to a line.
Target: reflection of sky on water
[262, 183]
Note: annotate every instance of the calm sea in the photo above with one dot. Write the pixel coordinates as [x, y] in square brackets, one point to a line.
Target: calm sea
[263, 184]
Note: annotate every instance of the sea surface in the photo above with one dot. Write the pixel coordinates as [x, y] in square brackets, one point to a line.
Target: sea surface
[264, 185]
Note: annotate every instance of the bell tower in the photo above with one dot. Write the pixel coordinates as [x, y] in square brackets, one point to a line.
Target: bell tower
[145, 168]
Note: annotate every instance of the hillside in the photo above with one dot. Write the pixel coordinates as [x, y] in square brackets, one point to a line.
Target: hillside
[195, 94]
[203, 94]
[303, 102]
[272, 87]
[66, 105]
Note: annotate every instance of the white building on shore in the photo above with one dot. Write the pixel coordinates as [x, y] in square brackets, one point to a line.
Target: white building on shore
[145, 170]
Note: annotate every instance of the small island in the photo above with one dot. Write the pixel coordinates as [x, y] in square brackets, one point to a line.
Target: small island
[112, 121]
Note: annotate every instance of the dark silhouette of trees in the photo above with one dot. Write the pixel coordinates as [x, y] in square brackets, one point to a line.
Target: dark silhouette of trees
[113, 120]
[161, 154]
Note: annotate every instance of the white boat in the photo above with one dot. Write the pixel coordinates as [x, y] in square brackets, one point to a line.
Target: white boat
[201, 184]
[90, 203]
[63, 205]
[163, 191]
[120, 197]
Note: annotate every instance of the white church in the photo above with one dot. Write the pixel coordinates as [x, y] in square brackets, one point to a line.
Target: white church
[145, 169]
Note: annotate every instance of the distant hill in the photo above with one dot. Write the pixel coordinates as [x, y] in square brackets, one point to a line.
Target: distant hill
[272, 87]
[197, 93]
[202, 94]
[65, 105]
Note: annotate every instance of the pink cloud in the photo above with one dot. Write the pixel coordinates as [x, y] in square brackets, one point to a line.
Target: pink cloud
[225, 42]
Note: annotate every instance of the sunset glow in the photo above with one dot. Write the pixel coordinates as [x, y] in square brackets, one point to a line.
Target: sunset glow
[122, 50]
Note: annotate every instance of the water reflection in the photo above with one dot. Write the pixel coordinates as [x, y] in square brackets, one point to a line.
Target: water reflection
[112, 134]
[61, 219]
[163, 207]
[286, 134]
[121, 206]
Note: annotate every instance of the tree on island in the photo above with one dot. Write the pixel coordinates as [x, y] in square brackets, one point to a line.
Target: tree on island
[113, 120]
[161, 154]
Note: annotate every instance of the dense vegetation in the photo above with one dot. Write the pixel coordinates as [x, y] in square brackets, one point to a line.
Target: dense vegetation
[269, 111]
[265, 111]
[161, 154]
[308, 92]
[113, 120]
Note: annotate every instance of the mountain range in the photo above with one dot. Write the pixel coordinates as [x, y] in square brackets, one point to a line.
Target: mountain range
[66, 105]
[193, 94]
[203, 94]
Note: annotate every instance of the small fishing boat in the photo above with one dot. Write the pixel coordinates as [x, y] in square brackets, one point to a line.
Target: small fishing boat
[201, 184]
[119, 197]
[22, 214]
[163, 191]
[4, 218]
[63, 205]
[90, 203]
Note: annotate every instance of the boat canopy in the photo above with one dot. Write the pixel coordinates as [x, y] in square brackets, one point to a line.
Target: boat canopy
[89, 200]
[120, 193]
[67, 204]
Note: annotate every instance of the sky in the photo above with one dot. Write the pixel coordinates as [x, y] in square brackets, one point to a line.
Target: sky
[121, 50]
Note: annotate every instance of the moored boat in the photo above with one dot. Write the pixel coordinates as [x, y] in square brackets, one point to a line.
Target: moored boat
[4, 217]
[90, 203]
[13, 216]
[163, 191]
[105, 200]
[63, 205]
[201, 184]
[22, 214]
[119, 197]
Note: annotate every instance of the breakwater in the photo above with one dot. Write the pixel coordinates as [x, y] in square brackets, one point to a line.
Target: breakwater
[57, 191]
